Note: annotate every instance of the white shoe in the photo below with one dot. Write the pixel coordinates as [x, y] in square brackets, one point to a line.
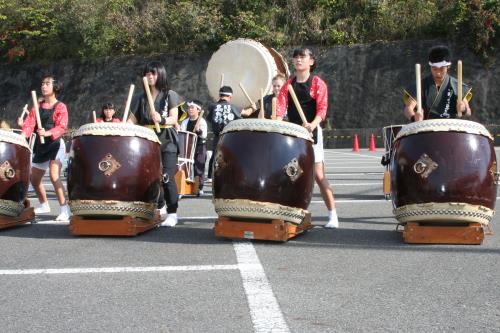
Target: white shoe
[163, 212]
[333, 220]
[43, 208]
[65, 214]
[170, 221]
[200, 193]
[208, 181]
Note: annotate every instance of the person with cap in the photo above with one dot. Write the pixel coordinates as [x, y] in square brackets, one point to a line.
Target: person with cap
[312, 93]
[51, 154]
[197, 125]
[277, 82]
[219, 115]
[439, 91]
[166, 104]
[107, 114]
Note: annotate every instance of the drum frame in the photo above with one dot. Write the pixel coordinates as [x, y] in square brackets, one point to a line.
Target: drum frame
[188, 161]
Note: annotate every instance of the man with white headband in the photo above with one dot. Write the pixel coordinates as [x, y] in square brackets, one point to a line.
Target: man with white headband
[439, 91]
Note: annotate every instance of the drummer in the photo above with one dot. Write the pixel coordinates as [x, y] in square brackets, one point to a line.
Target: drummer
[439, 91]
[51, 154]
[108, 114]
[312, 94]
[166, 103]
[277, 82]
[197, 125]
[219, 115]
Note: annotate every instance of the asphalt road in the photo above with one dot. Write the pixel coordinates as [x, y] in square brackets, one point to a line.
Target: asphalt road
[359, 278]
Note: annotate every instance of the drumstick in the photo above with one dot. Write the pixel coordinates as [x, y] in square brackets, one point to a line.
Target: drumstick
[297, 104]
[94, 116]
[459, 92]
[419, 88]
[151, 103]
[221, 79]
[37, 114]
[127, 104]
[245, 93]
[261, 112]
[273, 108]
[25, 110]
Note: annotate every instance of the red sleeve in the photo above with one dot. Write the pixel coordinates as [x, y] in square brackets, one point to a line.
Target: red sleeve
[319, 92]
[99, 120]
[282, 102]
[60, 121]
[29, 123]
[117, 120]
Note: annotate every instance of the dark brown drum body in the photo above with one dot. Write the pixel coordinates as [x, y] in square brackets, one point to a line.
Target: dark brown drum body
[114, 169]
[444, 171]
[15, 166]
[263, 170]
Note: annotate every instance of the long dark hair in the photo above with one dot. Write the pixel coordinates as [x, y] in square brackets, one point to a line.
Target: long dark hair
[158, 68]
[303, 51]
[56, 84]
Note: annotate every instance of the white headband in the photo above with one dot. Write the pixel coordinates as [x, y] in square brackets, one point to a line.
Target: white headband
[440, 64]
[225, 94]
[194, 104]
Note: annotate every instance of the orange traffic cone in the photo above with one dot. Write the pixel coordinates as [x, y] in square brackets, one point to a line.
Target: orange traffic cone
[372, 143]
[356, 143]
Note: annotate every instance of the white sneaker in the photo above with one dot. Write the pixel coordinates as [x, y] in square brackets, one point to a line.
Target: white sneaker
[65, 214]
[333, 220]
[43, 208]
[208, 181]
[200, 193]
[163, 212]
[170, 221]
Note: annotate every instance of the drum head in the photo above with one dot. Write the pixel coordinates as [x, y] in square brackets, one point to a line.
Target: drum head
[116, 129]
[242, 61]
[267, 125]
[444, 125]
[11, 137]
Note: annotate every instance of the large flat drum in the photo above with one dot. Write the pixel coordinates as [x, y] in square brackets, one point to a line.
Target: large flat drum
[247, 62]
[15, 166]
[444, 171]
[263, 170]
[114, 169]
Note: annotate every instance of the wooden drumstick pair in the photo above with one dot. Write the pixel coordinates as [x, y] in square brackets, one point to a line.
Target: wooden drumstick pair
[459, 88]
[261, 112]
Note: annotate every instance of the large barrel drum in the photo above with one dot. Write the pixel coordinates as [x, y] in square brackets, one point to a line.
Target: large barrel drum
[244, 61]
[263, 170]
[114, 169]
[442, 171]
[15, 166]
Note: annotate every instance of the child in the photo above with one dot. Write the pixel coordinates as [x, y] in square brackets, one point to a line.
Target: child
[197, 125]
[107, 114]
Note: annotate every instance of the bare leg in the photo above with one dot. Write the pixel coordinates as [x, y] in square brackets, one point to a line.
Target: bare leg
[55, 177]
[36, 181]
[324, 185]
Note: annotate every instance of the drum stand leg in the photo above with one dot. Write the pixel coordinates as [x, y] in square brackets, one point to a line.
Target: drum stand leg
[185, 186]
[426, 233]
[275, 230]
[27, 215]
[112, 225]
[387, 184]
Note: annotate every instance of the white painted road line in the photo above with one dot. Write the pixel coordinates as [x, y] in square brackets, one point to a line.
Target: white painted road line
[264, 309]
[115, 270]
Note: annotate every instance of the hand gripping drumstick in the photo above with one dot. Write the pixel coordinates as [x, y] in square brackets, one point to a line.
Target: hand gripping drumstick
[199, 118]
[245, 93]
[151, 103]
[419, 87]
[297, 104]
[37, 113]
[127, 104]
[459, 92]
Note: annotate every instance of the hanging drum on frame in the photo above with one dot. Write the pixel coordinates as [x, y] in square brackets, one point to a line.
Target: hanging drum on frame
[187, 148]
[15, 167]
[444, 171]
[247, 62]
[263, 170]
[114, 169]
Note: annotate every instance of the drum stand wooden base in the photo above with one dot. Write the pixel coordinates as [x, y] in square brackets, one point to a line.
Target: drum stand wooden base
[387, 184]
[421, 233]
[111, 226]
[186, 186]
[275, 230]
[27, 215]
